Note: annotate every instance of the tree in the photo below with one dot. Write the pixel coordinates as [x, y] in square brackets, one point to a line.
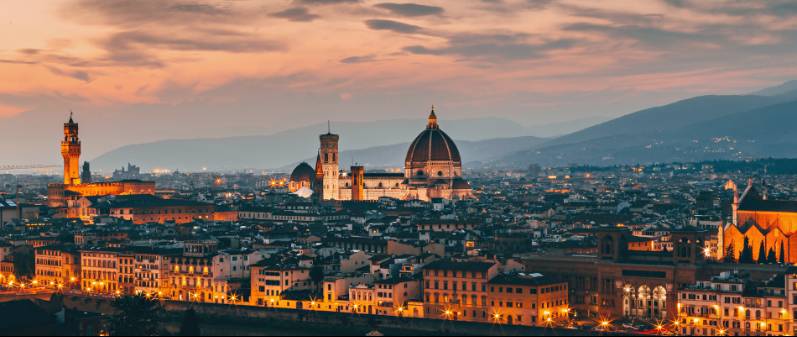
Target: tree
[747, 252]
[730, 254]
[782, 258]
[772, 258]
[136, 316]
[762, 253]
[190, 324]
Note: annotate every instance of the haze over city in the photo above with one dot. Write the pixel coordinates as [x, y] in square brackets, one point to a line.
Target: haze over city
[138, 71]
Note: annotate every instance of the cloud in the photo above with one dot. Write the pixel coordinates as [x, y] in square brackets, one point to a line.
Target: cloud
[158, 12]
[501, 6]
[326, 2]
[775, 8]
[494, 47]
[299, 14]
[144, 27]
[394, 26]
[358, 59]
[411, 9]
[75, 74]
[17, 61]
[134, 48]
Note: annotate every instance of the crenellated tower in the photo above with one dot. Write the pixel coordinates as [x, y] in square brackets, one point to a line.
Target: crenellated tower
[70, 150]
[328, 154]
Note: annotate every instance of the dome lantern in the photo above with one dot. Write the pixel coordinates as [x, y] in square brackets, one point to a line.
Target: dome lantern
[432, 123]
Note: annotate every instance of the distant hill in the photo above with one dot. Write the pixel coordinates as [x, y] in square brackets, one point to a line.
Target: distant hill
[285, 148]
[700, 128]
[474, 153]
[786, 88]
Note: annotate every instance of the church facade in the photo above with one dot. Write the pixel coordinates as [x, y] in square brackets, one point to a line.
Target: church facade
[432, 169]
[768, 226]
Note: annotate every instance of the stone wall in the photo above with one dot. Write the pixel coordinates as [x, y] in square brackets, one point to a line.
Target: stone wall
[247, 318]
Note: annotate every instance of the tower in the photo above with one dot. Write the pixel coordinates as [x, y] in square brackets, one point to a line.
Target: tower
[70, 150]
[357, 183]
[85, 177]
[328, 154]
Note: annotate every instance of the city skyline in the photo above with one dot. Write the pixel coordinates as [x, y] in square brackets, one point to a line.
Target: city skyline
[250, 67]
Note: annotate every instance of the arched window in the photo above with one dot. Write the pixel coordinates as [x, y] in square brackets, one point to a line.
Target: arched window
[439, 173]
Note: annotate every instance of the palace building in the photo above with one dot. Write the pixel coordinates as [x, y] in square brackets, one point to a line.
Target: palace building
[761, 222]
[432, 169]
[73, 188]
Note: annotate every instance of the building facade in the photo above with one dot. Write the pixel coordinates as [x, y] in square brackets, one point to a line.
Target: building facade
[729, 305]
[432, 169]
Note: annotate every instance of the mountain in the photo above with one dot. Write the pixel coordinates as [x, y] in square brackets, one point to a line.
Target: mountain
[699, 128]
[474, 153]
[668, 117]
[557, 129]
[787, 87]
[287, 147]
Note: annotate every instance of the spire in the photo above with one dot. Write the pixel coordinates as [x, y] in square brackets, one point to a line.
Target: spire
[432, 124]
[71, 114]
[329, 127]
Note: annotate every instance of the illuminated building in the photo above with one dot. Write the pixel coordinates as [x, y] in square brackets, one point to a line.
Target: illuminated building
[190, 276]
[57, 266]
[142, 209]
[791, 295]
[617, 282]
[149, 269]
[70, 151]
[457, 290]
[301, 177]
[270, 281]
[729, 305]
[528, 299]
[394, 296]
[432, 169]
[73, 188]
[99, 271]
[477, 291]
[362, 299]
[760, 222]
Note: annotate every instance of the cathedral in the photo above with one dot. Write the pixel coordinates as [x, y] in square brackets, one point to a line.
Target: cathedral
[74, 186]
[766, 225]
[432, 169]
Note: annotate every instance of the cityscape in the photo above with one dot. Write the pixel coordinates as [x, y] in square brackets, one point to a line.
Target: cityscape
[328, 168]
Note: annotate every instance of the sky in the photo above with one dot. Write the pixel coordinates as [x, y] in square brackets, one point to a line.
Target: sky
[145, 70]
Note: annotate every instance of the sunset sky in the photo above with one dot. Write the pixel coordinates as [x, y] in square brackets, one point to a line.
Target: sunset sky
[137, 71]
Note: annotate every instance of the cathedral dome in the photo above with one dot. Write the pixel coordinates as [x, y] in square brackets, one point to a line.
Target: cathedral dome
[432, 145]
[303, 172]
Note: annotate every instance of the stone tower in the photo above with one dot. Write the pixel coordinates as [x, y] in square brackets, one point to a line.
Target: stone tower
[329, 162]
[85, 177]
[357, 183]
[70, 150]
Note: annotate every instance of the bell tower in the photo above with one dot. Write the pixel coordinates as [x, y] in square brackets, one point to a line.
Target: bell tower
[328, 154]
[70, 150]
